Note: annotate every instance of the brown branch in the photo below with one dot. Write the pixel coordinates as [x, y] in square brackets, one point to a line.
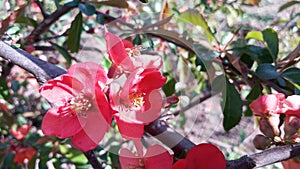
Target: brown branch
[47, 22]
[90, 155]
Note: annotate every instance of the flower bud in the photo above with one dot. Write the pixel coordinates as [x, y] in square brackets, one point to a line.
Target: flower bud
[262, 142]
[269, 126]
[291, 126]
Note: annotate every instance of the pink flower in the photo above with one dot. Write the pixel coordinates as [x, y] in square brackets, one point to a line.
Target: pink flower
[125, 58]
[136, 100]
[292, 106]
[156, 157]
[21, 132]
[267, 104]
[78, 112]
[204, 156]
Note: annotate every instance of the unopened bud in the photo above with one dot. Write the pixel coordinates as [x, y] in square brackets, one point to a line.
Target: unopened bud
[262, 142]
[170, 101]
[291, 126]
[269, 126]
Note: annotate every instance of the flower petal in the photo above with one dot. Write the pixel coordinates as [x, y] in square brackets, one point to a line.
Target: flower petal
[92, 133]
[158, 157]
[103, 104]
[149, 80]
[152, 107]
[148, 61]
[61, 88]
[128, 159]
[129, 130]
[180, 164]
[89, 73]
[292, 106]
[63, 126]
[267, 104]
[116, 51]
[205, 156]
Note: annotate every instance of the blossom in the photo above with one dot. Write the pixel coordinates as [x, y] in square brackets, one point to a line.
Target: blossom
[23, 154]
[267, 104]
[203, 156]
[136, 100]
[81, 109]
[156, 157]
[126, 58]
[21, 132]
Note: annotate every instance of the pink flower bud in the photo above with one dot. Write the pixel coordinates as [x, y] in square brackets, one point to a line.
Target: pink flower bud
[269, 126]
[291, 126]
[262, 142]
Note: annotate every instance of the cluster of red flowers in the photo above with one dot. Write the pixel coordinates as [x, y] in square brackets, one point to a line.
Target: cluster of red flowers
[87, 98]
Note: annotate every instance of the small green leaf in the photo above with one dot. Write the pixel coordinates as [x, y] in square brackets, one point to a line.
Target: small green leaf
[74, 33]
[292, 74]
[232, 107]
[254, 93]
[169, 87]
[100, 19]
[64, 52]
[144, 1]
[196, 18]
[271, 38]
[87, 9]
[267, 71]
[287, 5]
[255, 35]
[4, 90]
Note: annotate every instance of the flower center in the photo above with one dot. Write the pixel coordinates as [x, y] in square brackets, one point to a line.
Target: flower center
[80, 104]
[133, 52]
[137, 99]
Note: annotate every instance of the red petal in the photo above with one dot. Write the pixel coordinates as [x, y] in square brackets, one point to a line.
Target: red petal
[148, 61]
[61, 126]
[158, 157]
[103, 104]
[92, 133]
[89, 74]
[127, 43]
[128, 159]
[205, 156]
[116, 50]
[152, 107]
[59, 89]
[180, 164]
[129, 130]
[150, 79]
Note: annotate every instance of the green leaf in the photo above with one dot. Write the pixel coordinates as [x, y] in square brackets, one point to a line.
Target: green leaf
[254, 93]
[255, 35]
[292, 74]
[64, 52]
[27, 21]
[267, 71]
[194, 17]
[87, 9]
[271, 38]
[4, 90]
[144, 1]
[100, 19]
[287, 5]
[74, 33]
[169, 87]
[232, 107]
[114, 3]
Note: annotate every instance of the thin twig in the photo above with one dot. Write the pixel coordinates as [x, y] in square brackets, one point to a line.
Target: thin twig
[90, 155]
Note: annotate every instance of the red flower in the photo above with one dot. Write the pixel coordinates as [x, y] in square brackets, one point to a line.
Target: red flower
[24, 153]
[156, 157]
[136, 100]
[79, 112]
[125, 58]
[267, 104]
[21, 132]
[206, 156]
